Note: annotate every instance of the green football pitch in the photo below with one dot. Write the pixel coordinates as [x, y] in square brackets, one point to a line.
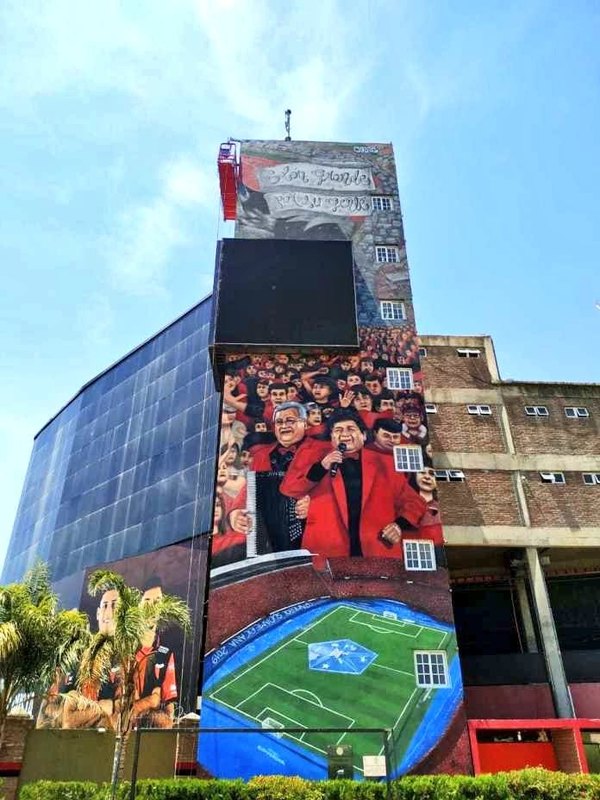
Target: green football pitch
[278, 688]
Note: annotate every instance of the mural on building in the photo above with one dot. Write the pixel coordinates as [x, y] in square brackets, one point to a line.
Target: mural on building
[328, 580]
[167, 661]
[292, 429]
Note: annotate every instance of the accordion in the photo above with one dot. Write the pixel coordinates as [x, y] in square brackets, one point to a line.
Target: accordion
[274, 525]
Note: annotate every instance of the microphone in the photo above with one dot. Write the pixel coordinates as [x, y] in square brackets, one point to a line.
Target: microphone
[333, 470]
[385, 542]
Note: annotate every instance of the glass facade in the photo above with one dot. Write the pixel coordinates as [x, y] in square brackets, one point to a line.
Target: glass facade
[128, 465]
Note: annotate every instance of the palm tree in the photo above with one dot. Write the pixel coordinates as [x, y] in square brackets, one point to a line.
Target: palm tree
[36, 639]
[114, 650]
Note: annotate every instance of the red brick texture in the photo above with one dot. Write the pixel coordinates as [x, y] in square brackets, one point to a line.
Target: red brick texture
[555, 433]
[443, 368]
[555, 505]
[453, 429]
[565, 748]
[350, 577]
[484, 498]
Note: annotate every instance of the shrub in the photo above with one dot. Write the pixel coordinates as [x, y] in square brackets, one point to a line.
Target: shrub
[530, 784]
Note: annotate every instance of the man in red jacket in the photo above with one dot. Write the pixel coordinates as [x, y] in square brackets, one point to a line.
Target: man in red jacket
[280, 521]
[359, 504]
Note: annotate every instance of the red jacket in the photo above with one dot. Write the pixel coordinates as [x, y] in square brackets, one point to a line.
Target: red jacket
[386, 496]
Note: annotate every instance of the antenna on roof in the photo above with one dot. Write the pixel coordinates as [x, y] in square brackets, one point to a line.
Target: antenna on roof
[288, 114]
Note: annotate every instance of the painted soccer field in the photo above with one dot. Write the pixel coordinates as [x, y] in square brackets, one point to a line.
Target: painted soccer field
[348, 668]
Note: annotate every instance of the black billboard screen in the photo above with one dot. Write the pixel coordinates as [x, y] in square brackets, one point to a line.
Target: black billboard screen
[284, 292]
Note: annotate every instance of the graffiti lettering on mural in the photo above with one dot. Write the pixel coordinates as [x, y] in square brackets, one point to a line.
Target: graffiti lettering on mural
[316, 176]
[283, 203]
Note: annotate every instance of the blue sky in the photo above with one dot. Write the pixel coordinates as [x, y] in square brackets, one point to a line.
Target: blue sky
[111, 114]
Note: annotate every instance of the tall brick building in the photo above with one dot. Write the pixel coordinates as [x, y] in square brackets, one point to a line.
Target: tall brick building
[517, 467]
[268, 457]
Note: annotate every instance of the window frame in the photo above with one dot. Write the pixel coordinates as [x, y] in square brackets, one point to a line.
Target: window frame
[479, 410]
[553, 478]
[428, 558]
[395, 305]
[537, 411]
[423, 352]
[407, 449]
[579, 412]
[468, 352]
[383, 198]
[595, 476]
[450, 475]
[387, 250]
[431, 408]
[390, 372]
[429, 653]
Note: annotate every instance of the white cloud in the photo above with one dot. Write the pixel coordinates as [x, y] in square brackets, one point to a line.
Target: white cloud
[186, 183]
[147, 235]
[176, 65]
[271, 56]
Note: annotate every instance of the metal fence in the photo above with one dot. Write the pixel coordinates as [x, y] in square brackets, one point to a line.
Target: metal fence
[239, 752]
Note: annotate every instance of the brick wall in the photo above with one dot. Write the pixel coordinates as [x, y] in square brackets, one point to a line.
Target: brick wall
[555, 433]
[484, 498]
[453, 429]
[565, 748]
[445, 369]
[11, 753]
[572, 504]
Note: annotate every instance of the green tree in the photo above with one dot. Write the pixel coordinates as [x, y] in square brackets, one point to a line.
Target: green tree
[36, 639]
[116, 648]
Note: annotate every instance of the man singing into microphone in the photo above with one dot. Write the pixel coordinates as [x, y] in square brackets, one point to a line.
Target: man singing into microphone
[359, 504]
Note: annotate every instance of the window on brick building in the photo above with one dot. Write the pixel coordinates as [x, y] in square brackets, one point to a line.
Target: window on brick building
[430, 408]
[419, 554]
[423, 352]
[387, 254]
[480, 411]
[393, 310]
[431, 668]
[399, 378]
[381, 203]
[408, 458]
[572, 412]
[536, 411]
[552, 477]
[449, 475]
[467, 352]
[591, 478]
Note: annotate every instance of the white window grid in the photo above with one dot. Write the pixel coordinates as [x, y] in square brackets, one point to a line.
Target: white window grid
[387, 254]
[393, 310]
[423, 352]
[480, 410]
[536, 411]
[468, 352]
[399, 378]
[382, 202]
[573, 412]
[553, 477]
[408, 458]
[431, 669]
[591, 478]
[430, 408]
[419, 554]
[451, 475]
